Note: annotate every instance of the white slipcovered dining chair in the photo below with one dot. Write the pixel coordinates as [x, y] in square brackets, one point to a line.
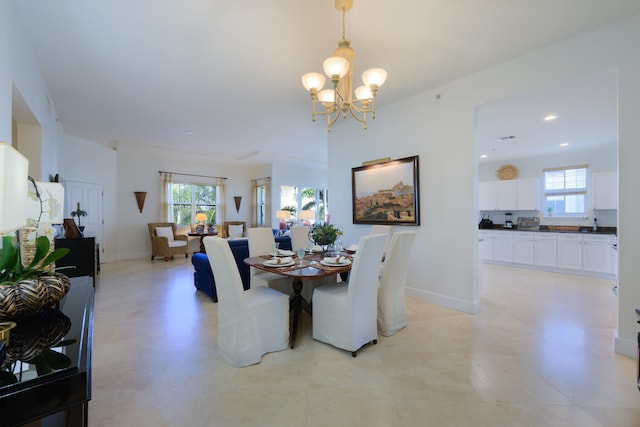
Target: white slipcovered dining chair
[344, 313]
[251, 323]
[382, 229]
[392, 313]
[261, 242]
[300, 236]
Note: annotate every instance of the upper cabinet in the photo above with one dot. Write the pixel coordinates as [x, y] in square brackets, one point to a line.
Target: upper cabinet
[605, 190]
[508, 195]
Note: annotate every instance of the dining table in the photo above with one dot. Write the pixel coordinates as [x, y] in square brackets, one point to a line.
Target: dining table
[312, 267]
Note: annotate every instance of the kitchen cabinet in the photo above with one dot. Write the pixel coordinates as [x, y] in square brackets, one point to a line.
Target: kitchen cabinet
[545, 249]
[503, 246]
[598, 256]
[508, 195]
[570, 251]
[527, 194]
[605, 190]
[485, 244]
[523, 247]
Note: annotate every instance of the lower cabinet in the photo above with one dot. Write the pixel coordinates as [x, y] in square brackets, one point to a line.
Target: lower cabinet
[592, 254]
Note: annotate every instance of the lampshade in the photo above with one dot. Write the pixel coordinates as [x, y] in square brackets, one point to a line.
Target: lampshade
[335, 66]
[327, 96]
[305, 214]
[52, 197]
[363, 92]
[201, 217]
[283, 214]
[374, 76]
[313, 81]
[14, 171]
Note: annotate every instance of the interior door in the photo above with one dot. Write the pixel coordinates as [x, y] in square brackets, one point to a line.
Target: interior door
[90, 197]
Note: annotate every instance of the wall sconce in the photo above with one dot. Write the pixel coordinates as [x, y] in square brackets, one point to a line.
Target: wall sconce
[237, 199]
[140, 196]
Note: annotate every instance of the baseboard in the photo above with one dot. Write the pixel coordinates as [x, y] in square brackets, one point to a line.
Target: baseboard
[625, 347]
[471, 307]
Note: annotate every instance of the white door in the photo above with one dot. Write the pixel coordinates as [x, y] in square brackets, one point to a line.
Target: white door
[89, 196]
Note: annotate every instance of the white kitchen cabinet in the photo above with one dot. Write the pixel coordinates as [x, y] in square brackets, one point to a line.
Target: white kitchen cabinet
[527, 194]
[545, 249]
[503, 246]
[523, 247]
[487, 196]
[597, 254]
[507, 194]
[485, 244]
[605, 190]
[570, 251]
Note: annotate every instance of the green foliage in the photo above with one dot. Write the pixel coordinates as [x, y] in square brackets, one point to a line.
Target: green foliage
[11, 268]
[325, 234]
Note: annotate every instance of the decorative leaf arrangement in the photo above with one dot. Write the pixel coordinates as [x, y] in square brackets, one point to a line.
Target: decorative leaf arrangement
[325, 234]
[11, 269]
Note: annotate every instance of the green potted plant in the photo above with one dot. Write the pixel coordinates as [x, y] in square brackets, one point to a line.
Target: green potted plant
[79, 213]
[325, 235]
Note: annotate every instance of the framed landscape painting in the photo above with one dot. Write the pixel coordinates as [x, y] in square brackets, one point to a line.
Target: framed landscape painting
[386, 193]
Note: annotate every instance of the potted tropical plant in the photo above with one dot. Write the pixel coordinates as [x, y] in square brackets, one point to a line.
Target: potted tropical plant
[325, 235]
[79, 213]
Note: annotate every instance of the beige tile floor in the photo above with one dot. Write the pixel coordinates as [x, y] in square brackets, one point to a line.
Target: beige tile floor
[538, 354]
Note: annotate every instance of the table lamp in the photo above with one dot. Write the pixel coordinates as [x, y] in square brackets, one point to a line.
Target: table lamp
[201, 218]
[307, 215]
[14, 172]
[283, 216]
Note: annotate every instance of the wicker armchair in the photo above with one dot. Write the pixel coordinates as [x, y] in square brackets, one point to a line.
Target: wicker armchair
[167, 243]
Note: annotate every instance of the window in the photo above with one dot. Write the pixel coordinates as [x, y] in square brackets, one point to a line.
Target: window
[261, 205]
[565, 191]
[296, 199]
[190, 199]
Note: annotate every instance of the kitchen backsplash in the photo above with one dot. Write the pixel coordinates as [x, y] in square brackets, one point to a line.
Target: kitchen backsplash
[606, 218]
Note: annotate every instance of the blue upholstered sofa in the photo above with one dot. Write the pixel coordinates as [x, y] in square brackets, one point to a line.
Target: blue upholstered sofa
[203, 276]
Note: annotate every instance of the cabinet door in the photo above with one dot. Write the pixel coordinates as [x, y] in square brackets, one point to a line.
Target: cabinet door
[597, 254]
[545, 249]
[503, 246]
[570, 251]
[485, 244]
[487, 196]
[506, 194]
[523, 247]
[605, 190]
[527, 194]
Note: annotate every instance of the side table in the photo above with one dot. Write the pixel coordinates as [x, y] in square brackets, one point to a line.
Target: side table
[202, 236]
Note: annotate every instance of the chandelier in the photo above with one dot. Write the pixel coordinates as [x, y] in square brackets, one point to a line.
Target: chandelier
[338, 68]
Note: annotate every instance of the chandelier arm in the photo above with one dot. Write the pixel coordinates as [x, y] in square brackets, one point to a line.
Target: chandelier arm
[354, 113]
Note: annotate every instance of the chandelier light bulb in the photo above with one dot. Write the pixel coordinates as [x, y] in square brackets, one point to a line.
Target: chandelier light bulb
[313, 81]
[327, 96]
[374, 76]
[363, 92]
[335, 66]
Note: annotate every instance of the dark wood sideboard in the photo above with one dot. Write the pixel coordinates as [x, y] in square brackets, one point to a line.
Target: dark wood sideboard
[82, 257]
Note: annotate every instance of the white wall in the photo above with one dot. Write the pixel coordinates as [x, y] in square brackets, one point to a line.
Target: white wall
[444, 266]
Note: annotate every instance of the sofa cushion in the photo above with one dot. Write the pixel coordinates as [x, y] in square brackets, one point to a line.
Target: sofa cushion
[165, 232]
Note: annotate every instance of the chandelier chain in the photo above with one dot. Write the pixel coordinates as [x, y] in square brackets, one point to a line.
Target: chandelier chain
[343, 32]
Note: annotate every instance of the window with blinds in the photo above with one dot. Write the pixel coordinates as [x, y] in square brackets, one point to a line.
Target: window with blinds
[565, 191]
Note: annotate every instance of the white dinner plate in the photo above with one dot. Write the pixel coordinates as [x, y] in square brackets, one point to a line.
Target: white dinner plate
[335, 264]
[284, 252]
[272, 263]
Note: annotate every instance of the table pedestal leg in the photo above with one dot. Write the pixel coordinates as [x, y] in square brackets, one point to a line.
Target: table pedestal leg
[297, 304]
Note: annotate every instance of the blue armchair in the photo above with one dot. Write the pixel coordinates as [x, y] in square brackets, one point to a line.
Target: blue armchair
[203, 278]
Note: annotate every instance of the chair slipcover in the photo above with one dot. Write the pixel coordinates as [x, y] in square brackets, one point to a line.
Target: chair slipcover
[392, 315]
[261, 242]
[382, 229]
[250, 323]
[300, 236]
[344, 314]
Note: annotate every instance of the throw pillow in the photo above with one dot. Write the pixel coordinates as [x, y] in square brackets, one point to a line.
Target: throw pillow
[165, 232]
[235, 231]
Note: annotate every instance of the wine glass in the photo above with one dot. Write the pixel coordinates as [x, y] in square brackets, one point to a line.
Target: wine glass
[276, 245]
[300, 252]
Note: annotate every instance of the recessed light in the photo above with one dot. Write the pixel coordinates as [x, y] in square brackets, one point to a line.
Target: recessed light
[564, 144]
[483, 156]
[506, 138]
[550, 117]
[188, 132]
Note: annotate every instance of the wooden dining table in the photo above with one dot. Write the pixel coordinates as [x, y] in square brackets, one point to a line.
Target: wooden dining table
[310, 269]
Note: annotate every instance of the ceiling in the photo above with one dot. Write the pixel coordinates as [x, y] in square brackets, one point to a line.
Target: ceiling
[223, 77]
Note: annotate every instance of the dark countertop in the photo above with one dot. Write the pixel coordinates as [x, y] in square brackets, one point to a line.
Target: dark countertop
[545, 229]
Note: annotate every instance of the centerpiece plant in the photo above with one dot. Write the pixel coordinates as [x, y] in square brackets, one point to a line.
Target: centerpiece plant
[325, 235]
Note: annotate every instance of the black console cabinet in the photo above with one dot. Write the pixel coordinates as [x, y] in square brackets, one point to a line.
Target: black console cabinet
[81, 256]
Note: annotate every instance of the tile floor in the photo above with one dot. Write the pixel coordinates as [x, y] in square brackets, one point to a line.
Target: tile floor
[539, 354]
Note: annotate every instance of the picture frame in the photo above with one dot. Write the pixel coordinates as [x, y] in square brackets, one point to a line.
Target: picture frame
[386, 193]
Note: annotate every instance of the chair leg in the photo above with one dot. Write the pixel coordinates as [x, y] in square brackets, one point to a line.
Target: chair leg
[166, 259]
[354, 353]
[151, 257]
[375, 342]
[186, 255]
